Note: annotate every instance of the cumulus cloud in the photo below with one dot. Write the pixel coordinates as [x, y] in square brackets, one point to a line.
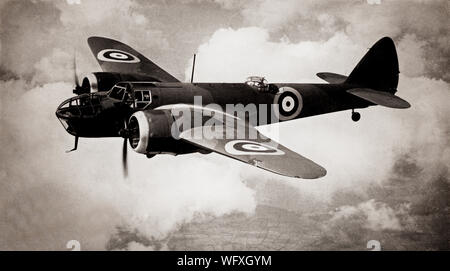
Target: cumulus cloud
[56, 67]
[232, 55]
[360, 20]
[375, 215]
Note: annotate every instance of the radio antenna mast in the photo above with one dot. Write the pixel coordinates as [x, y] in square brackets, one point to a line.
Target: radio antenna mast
[193, 68]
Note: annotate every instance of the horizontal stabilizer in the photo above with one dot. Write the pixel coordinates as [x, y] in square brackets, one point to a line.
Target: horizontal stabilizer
[332, 78]
[379, 97]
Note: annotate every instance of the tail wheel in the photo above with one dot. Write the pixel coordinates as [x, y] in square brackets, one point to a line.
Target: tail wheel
[355, 116]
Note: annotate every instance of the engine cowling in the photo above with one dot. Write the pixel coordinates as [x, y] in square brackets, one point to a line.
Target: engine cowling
[104, 81]
[150, 132]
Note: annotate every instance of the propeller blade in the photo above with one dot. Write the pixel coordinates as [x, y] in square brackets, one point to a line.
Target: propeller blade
[125, 149]
[124, 158]
[75, 75]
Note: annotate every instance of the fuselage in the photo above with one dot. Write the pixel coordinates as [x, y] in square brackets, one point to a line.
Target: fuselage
[316, 98]
[103, 114]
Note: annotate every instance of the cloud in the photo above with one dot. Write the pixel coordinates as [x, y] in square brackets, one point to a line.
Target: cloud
[57, 67]
[411, 52]
[376, 215]
[33, 29]
[232, 55]
[25, 34]
[374, 2]
[359, 20]
[73, 2]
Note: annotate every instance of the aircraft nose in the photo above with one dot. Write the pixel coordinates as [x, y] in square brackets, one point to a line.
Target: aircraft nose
[66, 113]
[86, 116]
[73, 111]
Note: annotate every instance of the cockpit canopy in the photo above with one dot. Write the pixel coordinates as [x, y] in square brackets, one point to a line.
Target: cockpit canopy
[138, 95]
[261, 84]
[118, 91]
[256, 81]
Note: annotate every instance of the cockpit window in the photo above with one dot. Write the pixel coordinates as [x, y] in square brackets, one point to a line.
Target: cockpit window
[261, 84]
[142, 98]
[117, 93]
[257, 82]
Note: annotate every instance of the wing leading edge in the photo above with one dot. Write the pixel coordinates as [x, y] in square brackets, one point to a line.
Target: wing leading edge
[115, 56]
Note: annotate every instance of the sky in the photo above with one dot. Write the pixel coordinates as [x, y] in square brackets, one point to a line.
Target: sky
[388, 174]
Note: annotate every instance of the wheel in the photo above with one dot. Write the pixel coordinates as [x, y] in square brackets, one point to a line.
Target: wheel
[356, 116]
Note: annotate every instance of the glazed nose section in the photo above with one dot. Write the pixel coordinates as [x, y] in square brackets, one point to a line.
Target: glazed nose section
[73, 112]
[67, 112]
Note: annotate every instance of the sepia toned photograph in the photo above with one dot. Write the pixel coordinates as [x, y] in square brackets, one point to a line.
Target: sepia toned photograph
[224, 125]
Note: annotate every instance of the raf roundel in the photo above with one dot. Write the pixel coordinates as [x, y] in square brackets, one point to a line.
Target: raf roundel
[289, 102]
[115, 55]
[247, 147]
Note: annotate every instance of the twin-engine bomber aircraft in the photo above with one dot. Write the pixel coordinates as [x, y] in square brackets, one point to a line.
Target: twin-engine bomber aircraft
[135, 99]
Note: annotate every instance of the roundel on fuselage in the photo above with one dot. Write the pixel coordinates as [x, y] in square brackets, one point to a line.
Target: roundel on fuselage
[290, 103]
[115, 55]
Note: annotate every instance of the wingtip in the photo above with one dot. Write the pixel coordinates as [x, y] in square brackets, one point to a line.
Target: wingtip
[319, 172]
[314, 173]
[406, 105]
[94, 39]
[91, 38]
[402, 104]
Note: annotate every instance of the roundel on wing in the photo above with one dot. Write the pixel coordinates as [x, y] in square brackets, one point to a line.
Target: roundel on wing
[115, 55]
[248, 147]
[290, 103]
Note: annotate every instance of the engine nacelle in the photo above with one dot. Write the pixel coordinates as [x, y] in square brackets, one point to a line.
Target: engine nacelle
[104, 81]
[151, 133]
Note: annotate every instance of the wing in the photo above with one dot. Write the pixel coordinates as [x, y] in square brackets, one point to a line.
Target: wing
[114, 56]
[251, 147]
[379, 97]
[332, 78]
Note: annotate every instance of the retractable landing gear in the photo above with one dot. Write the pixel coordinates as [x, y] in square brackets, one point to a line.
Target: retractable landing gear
[76, 145]
[355, 115]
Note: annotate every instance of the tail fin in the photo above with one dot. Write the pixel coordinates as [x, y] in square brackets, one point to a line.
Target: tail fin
[378, 69]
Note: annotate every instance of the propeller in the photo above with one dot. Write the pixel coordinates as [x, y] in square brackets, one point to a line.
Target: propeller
[126, 135]
[125, 150]
[75, 75]
[124, 158]
[78, 89]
